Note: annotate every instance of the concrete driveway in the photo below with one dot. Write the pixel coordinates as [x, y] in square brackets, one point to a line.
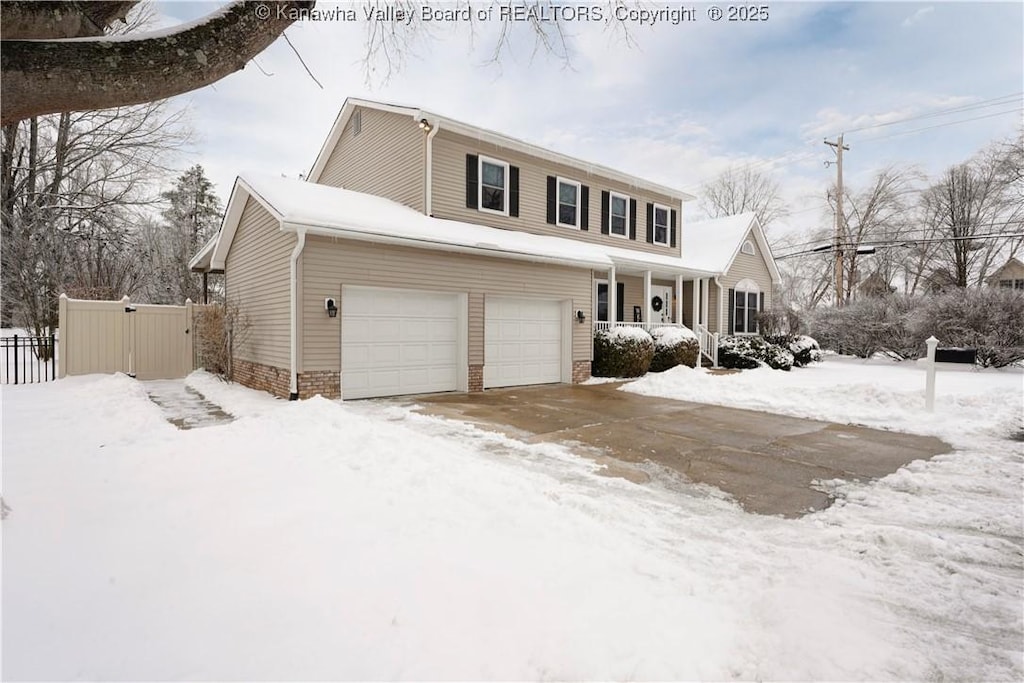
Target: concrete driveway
[766, 462]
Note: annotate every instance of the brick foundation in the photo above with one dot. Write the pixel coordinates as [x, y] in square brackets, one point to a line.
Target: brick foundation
[327, 383]
[476, 378]
[261, 377]
[275, 381]
[580, 371]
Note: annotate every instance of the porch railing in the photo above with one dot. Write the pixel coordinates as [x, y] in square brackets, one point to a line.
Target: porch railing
[604, 325]
[708, 344]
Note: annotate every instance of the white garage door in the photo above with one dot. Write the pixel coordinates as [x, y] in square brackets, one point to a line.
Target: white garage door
[398, 342]
[523, 342]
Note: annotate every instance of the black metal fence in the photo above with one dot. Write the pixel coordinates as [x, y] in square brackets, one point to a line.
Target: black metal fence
[27, 360]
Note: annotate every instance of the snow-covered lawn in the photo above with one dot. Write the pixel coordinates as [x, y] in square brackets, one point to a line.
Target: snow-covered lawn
[315, 540]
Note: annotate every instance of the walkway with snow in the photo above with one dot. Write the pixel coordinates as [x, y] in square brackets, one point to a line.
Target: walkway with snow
[184, 407]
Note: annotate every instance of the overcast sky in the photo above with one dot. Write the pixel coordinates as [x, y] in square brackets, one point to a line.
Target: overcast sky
[676, 104]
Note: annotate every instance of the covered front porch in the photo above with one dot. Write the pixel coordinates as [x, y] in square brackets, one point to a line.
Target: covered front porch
[639, 296]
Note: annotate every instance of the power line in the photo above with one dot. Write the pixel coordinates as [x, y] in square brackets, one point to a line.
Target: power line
[984, 104]
[943, 125]
[826, 248]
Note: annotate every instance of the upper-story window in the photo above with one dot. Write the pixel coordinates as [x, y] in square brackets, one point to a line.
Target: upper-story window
[493, 185]
[568, 203]
[748, 248]
[661, 224]
[618, 215]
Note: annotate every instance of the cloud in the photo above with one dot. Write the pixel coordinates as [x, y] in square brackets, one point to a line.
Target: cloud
[917, 16]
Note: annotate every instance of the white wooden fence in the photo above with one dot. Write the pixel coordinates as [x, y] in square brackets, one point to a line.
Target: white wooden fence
[143, 340]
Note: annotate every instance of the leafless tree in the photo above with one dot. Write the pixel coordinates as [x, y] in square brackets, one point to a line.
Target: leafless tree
[738, 191]
[73, 185]
[878, 213]
[970, 204]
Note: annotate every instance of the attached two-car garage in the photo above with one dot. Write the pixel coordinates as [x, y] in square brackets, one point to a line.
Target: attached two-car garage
[397, 342]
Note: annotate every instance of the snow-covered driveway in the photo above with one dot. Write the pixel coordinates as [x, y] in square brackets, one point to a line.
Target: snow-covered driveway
[314, 540]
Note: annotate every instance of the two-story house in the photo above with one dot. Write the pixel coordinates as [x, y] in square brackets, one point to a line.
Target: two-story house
[423, 254]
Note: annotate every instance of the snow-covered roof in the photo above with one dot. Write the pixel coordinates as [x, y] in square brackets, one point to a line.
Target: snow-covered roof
[336, 212]
[477, 133]
[322, 209]
[712, 245]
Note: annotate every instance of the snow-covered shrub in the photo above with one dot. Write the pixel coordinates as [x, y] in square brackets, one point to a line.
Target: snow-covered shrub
[751, 352]
[674, 346]
[988, 319]
[622, 352]
[780, 325]
[869, 326]
[805, 350]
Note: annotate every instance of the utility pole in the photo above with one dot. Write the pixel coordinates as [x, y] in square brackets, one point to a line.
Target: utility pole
[840, 229]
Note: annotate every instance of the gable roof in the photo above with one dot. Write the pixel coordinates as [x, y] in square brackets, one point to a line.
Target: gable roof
[336, 212]
[714, 244]
[444, 123]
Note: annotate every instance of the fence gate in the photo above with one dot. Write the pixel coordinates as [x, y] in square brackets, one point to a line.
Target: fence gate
[144, 341]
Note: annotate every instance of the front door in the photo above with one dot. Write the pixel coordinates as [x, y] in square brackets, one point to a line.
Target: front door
[661, 304]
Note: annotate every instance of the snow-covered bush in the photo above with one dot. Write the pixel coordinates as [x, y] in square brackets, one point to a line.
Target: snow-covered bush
[751, 352]
[674, 346]
[780, 325]
[622, 352]
[987, 319]
[805, 350]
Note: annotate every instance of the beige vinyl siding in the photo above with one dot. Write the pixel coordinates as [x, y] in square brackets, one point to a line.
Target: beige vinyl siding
[385, 159]
[449, 194]
[329, 263]
[257, 280]
[753, 267]
[688, 289]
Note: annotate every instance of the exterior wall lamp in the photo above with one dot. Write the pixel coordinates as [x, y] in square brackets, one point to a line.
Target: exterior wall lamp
[425, 126]
[580, 316]
[331, 307]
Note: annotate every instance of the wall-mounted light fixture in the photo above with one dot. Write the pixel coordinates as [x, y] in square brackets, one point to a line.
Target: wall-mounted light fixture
[331, 307]
[580, 317]
[425, 126]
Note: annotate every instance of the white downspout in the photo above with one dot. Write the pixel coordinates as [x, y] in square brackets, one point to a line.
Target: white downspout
[721, 305]
[428, 205]
[293, 383]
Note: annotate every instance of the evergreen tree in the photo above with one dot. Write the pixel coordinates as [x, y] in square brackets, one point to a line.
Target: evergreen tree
[191, 218]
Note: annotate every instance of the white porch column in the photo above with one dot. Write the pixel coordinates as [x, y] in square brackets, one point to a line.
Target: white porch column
[648, 312]
[613, 304]
[679, 299]
[705, 286]
[695, 302]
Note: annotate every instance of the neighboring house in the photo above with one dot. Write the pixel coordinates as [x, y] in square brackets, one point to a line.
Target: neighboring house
[1010, 276]
[423, 254]
[736, 249]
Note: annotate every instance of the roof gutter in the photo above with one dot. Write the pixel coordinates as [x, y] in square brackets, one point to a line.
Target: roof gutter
[293, 381]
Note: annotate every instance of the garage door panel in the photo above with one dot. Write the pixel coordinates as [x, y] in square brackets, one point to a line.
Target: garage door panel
[523, 342]
[399, 342]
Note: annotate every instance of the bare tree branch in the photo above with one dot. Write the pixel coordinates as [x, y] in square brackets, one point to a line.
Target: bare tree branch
[46, 76]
